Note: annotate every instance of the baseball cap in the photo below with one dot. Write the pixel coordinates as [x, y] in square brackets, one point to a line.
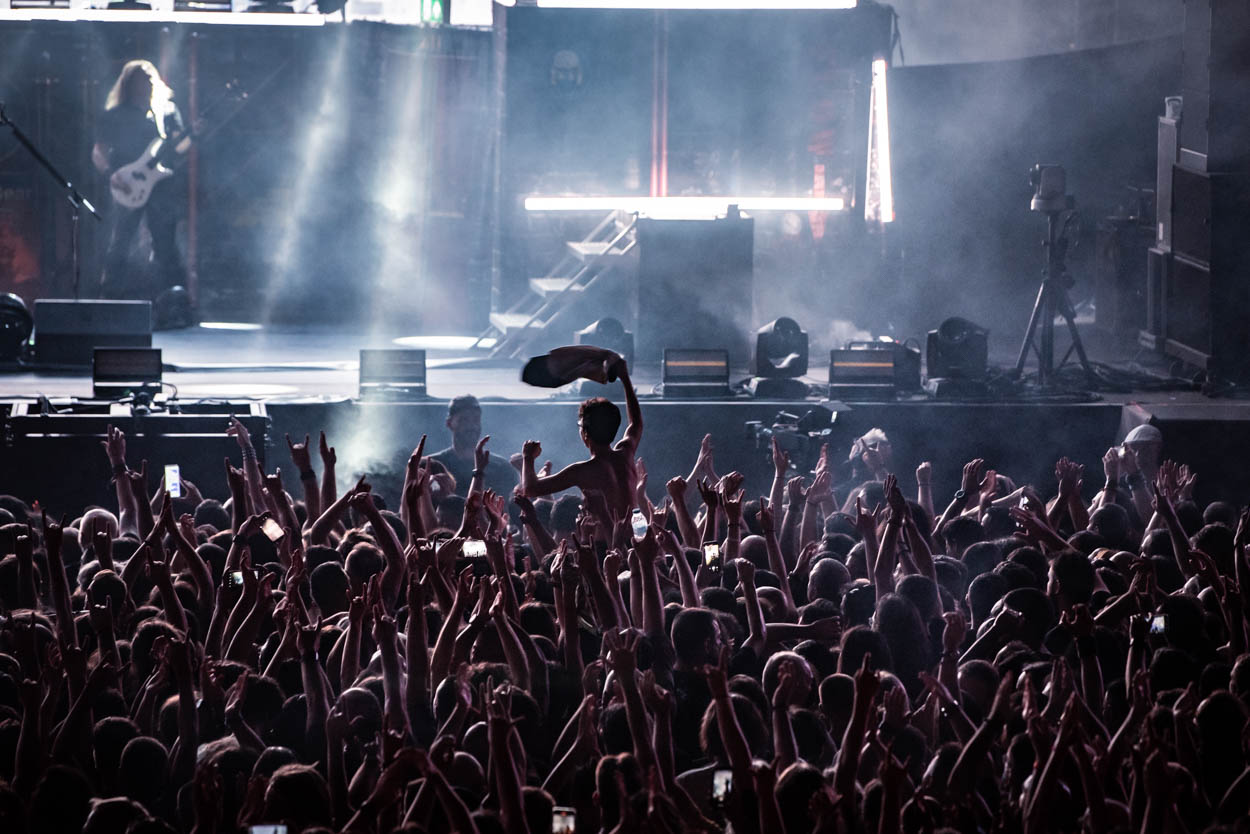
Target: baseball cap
[1144, 433]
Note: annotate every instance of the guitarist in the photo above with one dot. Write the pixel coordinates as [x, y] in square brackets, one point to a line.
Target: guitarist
[139, 109]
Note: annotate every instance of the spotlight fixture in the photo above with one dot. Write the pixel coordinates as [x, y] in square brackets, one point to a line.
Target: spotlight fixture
[123, 372]
[781, 354]
[958, 349]
[695, 373]
[16, 324]
[392, 375]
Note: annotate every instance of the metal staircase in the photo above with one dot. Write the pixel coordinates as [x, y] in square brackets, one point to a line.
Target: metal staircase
[610, 249]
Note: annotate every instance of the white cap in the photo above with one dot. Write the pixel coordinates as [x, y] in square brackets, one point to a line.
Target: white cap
[1144, 433]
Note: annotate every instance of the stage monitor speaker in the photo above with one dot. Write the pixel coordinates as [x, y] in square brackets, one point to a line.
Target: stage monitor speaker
[67, 331]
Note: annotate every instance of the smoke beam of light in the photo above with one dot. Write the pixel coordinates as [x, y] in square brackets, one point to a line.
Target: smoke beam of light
[312, 156]
[403, 188]
[881, 112]
[684, 208]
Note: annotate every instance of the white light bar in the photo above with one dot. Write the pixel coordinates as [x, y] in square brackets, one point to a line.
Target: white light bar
[881, 107]
[708, 5]
[684, 208]
[144, 16]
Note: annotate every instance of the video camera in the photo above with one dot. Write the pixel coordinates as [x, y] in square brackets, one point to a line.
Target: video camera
[799, 437]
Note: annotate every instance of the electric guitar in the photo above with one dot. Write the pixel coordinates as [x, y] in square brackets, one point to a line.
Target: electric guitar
[131, 185]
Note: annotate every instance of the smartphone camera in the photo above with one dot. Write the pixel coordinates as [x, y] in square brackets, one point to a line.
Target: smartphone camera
[266, 829]
[711, 556]
[173, 480]
[722, 784]
[474, 549]
[272, 530]
[236, 579]
[563, 820]
[1159, 624]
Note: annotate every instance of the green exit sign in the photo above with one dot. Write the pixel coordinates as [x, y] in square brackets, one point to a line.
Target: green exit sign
[432, 11]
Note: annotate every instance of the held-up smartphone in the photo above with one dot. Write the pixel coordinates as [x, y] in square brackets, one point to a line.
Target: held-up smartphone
[474, 549]
[722, 784]
[1159, 624]
[173, 480]
[711, 556]
[563, 820]
[272, 530]
[236, 579]
[639, 522]
[266, 829]
[1024, 502]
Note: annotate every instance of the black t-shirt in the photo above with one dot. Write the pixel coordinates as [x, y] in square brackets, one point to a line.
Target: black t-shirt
[127, 131]
[500, 476]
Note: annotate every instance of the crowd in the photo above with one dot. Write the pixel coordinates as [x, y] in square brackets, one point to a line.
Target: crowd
[512, 649]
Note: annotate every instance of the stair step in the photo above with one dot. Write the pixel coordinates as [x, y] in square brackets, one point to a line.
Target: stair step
[547, 287]
[506, 322]
[587, 250]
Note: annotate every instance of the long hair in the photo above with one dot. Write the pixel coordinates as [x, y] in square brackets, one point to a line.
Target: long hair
[161, 102]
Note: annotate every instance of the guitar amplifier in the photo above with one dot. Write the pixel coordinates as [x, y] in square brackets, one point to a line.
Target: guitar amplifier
[68, 331]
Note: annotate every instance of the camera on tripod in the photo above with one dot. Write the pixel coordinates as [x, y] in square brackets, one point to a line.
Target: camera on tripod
[799, 437]
[1050, 189]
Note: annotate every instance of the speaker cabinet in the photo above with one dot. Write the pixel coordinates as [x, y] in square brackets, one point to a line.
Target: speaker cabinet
[68, 331]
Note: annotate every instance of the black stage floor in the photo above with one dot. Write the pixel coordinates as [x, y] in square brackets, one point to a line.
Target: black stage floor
[303, 380]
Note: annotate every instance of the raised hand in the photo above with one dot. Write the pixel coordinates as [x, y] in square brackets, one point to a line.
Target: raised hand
[139, 481]
[821, 490]
[867, 681]
[971, 481]
[766, 518]
[1111, 465]
[114, 444]
[531, 450]
[676, 489]
[781, 459]
[707, 491]
[328, 457]
[239, 432]
[234, 477]
[954, 631]
[733, 507]
[299, 454]
[746, 571]
[924, 474]
[731, 483]
[481, 455]
[1070, 475]
[703, 463]
[796, 491]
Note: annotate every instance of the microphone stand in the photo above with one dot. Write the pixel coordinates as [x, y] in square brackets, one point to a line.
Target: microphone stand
[76, 200]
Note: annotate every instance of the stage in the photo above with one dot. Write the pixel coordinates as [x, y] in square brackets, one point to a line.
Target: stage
[301, 380]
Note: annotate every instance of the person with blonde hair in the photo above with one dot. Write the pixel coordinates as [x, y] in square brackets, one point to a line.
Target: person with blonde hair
[139, 109]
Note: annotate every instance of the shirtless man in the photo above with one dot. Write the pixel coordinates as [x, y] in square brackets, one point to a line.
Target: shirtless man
[610, 469]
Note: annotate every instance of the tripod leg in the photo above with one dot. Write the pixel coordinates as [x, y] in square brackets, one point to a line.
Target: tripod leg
[1077, 344]
[1028, 334]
